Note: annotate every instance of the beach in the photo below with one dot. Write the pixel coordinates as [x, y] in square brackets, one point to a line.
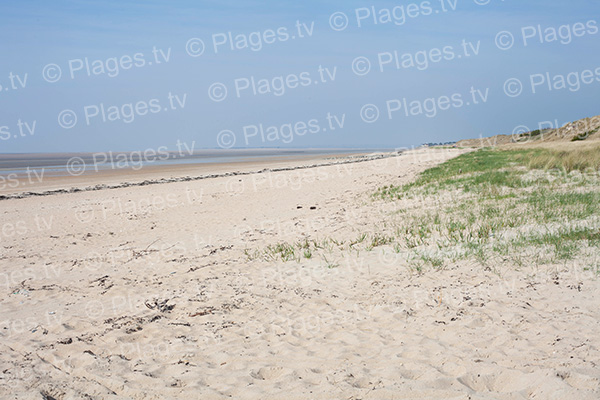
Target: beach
[300, 200]
[191, 289]
[41, 173]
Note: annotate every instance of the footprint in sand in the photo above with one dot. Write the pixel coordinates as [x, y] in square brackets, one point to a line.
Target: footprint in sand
[269, 373]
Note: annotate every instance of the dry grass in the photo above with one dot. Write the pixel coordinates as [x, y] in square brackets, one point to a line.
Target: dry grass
[567, 158]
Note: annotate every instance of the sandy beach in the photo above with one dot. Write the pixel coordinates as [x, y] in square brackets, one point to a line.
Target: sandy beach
[156, 292]
[263, 200]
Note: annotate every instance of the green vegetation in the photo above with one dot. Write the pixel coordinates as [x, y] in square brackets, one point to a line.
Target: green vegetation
[470, 172]
[379, 240]
[527, 136]
[537, 132]
[584, 136]
[512, 206]
[306, 249]
[501, 201]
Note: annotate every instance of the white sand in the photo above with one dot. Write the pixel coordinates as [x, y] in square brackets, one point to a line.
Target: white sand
[145, 292]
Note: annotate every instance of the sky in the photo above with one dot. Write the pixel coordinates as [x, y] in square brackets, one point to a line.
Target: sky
[87, 76]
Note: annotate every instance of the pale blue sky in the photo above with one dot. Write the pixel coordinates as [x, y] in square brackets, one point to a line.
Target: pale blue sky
[36, 33]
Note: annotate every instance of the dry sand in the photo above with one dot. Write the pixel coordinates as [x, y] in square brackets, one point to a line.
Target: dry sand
[145, 292]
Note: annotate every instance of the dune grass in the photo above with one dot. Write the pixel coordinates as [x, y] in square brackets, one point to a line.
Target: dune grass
[569, 159]
[486, 168]
[502, 203]
[489, 206]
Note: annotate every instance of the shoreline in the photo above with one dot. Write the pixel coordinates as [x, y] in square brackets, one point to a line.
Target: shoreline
[19, 162]
[149, 174]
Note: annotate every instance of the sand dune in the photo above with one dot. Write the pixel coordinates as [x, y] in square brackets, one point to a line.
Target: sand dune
[585, 129]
